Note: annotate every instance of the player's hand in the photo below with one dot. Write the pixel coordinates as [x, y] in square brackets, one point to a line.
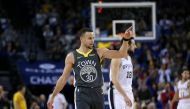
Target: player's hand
[170, 107]
[50, 103]
[128, 101]
[128, 33]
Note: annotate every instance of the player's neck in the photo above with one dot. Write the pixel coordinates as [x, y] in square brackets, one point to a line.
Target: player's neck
[127, 57]
[183, 80]
[84, 49]
[21, 92]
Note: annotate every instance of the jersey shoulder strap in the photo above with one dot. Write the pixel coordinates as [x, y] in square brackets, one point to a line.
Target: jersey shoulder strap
[75, 55]
[95, 51]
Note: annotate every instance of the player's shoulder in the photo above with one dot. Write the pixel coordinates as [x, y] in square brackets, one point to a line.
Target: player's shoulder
[17, 95]
[70, 57]
[126, 59]
[70, 54]
[188, 81]
[179, 82]
[129, 57]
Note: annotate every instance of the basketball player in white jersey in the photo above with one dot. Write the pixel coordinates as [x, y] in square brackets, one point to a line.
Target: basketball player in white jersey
[120, 92]
[182, 93]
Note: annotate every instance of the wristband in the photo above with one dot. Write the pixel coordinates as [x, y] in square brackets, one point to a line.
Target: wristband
[128, 39]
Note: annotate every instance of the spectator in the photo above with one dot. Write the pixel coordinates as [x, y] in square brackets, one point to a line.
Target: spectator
[19, 101]
[40, 19]
[144, 96]
[42, 101]
[59, 101]
[34, 105]
[53, 18]
[164, 75]
[47, 33]
[4, 103]
[166, 25]
[167, 95]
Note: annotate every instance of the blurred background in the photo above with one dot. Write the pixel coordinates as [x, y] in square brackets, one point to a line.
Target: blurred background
[36, 35]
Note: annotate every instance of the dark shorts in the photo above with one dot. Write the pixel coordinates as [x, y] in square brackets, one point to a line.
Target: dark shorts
[89, 98]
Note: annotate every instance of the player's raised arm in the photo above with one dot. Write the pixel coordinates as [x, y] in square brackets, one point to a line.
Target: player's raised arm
[122, 52]
[63, 78]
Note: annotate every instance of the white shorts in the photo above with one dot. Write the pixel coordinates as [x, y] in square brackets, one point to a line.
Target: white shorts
[116, 100]
[183, 106]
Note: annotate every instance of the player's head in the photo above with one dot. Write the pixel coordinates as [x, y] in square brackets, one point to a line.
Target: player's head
[21, 88]
[185, 74]
[86, 37]
[132, 45]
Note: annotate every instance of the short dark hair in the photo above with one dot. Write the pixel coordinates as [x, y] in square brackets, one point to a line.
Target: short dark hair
[20, 87]
[184, 68]
[82, 31]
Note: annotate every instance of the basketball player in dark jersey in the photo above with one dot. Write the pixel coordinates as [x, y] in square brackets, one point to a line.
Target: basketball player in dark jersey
[86, 64]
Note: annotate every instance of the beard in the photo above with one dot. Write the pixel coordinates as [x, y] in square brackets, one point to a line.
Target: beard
[131, 53]
[89, 46]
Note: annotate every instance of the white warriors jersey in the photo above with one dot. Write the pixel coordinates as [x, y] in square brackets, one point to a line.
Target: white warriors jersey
[125, 73]
[183, 91]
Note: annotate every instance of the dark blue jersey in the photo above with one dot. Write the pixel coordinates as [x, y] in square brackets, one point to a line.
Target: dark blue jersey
[87, 69]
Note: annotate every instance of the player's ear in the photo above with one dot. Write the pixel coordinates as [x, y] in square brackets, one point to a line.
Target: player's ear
[81, 38]
[182, 74]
